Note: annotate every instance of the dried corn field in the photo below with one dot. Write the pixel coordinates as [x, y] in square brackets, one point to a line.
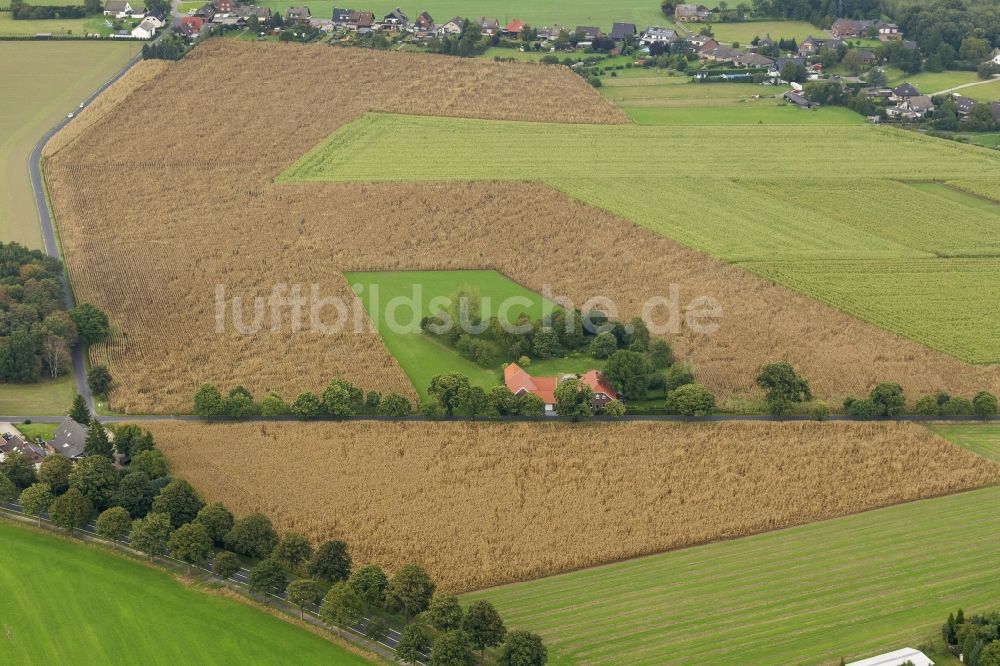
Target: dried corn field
[202, 210]
[139, 75]
[482, 504]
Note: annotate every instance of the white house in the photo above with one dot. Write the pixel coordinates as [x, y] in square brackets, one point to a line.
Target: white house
[995, 57]
[145, 30]
[155, 21]
[658, 35]
[452, 27]
[897, 658]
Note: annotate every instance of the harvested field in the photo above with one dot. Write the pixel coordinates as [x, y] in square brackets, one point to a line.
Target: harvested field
[481, 504]
[218, 218]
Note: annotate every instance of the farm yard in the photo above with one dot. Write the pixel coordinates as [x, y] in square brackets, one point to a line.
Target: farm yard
[536, 244]
[783, 216]
[86, 601]
[42, 83]
[489, 503]
[849, 587]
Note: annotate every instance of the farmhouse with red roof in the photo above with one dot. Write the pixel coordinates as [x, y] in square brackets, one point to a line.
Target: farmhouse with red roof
[520, 383]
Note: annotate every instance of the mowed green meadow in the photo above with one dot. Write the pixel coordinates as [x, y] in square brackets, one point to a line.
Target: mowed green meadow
[851, 587]
[69, 603]
[43, 81]
[385, 294]
[754, 194]
[981, 439]
[536, 12]
[745, 32]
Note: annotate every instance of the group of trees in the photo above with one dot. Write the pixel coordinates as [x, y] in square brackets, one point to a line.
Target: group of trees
[36, 331]
[888, 400]
[170, 47]
[977, 637]
[340, 399]
[21, 11]
[468, 43]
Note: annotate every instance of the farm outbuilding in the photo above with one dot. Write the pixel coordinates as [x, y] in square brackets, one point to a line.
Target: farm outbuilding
[896, 658]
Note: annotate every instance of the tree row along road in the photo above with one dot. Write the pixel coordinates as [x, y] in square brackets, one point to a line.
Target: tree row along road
[713, 418]
[356, 634]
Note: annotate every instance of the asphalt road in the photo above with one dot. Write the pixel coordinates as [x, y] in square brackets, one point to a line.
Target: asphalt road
[49, 237]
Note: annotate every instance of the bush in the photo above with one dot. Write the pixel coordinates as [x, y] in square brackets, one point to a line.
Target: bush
[820, 411]
[863, 410]
[984, 404]
[957, 407]
[691, 400]
[926, 406]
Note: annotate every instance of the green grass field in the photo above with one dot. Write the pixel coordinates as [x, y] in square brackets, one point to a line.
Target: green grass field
[777, 220]
[69, 603]
[929, 83]
[675, 91]
[42, 83]
[535, 12]
[421, 356]
[751, 114]
[982, 439]
[984, 92]
[77, 26]
[745, 32]
[851, 587]
[44, 397]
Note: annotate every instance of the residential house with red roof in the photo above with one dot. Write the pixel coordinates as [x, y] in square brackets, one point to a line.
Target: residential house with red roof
[521, 383]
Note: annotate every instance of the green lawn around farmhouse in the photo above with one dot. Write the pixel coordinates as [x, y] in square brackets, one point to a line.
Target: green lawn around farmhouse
[69, 603]
[422, 356]
[48, 396]
[777, 220]
[851, 587]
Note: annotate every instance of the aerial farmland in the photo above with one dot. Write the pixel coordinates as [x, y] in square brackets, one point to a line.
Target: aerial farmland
[514, 334]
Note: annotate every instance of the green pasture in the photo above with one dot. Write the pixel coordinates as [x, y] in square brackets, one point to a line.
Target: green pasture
[48, 396]
[746, 31]
[74, 26]
[757, 193]
[750, 114]
[929, 83]
[983, 439]
[850, 587]
[988, 91]
[43, 81]
[69, 603]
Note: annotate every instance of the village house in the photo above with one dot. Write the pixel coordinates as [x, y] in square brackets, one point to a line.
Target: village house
[206, 12]
[341, 17]
[488, 26]
[866, 56]
[12, 444]
[718, 53]
[658, 35]
[245, 12]
[903, 92]
[752, 60]
[911, 108]
[701, 41]
[549, 33]
[514, 28]
[692, 13]
[189, 27]
[622, 31]
[118, 8]
[844, 28]
[587, 33]
[963, 105]
[361, 22]
[452, 27]
[395, 20]
[888, 31]
[811, 45]
[521, 383]
[68, 441]
[297, 14]
[224, 6]
[145, 30]
[424, 22]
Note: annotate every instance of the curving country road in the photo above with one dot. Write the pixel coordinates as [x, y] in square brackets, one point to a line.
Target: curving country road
[49, 238]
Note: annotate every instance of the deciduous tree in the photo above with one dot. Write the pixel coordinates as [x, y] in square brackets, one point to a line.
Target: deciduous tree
[414, 642]
[268, 577]
[217, 519]
[453, 649]
[95, 477]
[410, 590]
[370, 582]
[99, 380]
[523, 648]
[293, 549]
[304, 592]
[150, 534]
[71, 510]
[114, 523]
[225, 564]
[253, 536]
[36, 499]
[483, 625]
[179, 501]
[190, 543]
[342, 606]
[331, 562]
[55, 471]
[783, 387]
[444, 612]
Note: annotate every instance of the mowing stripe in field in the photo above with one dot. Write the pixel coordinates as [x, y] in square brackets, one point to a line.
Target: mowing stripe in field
[849, 587]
